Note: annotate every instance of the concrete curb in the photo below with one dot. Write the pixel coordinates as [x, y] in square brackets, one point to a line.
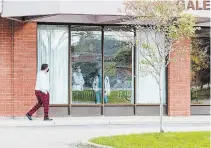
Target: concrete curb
[74, 121]
[54, 123]
[83, 144]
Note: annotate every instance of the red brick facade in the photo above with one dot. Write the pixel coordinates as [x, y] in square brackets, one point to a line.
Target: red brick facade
[18, 67]
[5, 68]
[179, 80]
[18, 72]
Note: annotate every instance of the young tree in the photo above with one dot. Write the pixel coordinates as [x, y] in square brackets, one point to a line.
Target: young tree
[159, 25]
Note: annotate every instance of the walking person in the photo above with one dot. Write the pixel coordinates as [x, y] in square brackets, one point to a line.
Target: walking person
[42, 93]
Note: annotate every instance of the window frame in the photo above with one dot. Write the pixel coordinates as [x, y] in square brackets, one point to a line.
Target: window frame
[102, 105]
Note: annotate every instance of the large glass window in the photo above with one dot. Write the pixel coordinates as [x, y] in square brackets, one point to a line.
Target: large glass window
[147, 89]
[86, 63]
[87, 75]
[53, 50]
[200, 67]
[118, 65]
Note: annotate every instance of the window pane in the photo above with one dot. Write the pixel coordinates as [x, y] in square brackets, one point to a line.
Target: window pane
[200, 67]
[146, 85]
[118, 65]
[86, 59]
[53, 50]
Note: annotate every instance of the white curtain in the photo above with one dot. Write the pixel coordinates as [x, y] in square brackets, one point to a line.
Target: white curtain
[53, 50]
[147, 91]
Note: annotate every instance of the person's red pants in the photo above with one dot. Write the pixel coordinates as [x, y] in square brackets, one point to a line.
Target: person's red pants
[43, 99]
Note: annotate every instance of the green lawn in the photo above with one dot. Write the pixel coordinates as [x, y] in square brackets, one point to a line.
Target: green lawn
[200, 94]
[157, 140]
[117, 96]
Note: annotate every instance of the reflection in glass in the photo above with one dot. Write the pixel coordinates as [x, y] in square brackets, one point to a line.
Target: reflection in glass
[86, 60]
[200, 67]
[97, 86]
[118, 64]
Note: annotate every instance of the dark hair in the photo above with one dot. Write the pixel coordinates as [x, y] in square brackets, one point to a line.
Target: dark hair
[44, 66]
[76, 67]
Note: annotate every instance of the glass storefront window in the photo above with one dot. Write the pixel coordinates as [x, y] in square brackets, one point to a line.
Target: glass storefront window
[86, 70]
[53, 50]
[118, 65]
[200, 67]
[86, 60]
[147, 89]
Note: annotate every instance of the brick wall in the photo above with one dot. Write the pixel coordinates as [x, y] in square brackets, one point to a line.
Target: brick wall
[24, 66]
[179, 80]
[18, 68]
[5, 68]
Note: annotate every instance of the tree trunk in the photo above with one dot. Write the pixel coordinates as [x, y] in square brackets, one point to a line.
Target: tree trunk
[161, 102]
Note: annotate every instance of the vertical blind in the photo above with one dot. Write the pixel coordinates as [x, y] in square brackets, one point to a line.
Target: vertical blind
[147, 87]
[53, 50]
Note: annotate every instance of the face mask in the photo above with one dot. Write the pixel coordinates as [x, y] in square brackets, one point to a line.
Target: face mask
[79, 70]
[100, 72]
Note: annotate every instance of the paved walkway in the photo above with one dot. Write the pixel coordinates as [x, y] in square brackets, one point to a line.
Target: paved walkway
[102, 120]
[67, 136]
[66, 132]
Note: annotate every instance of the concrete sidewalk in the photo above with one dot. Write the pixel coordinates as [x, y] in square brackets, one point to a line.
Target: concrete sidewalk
[102, 120]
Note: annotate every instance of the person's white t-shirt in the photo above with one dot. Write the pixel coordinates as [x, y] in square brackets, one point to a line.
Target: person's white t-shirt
[42, 82]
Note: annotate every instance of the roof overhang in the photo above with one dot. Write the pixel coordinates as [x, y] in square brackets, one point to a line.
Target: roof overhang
[95, 12]
[86, 11]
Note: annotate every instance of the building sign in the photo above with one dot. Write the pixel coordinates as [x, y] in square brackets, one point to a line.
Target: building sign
[196, 4]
